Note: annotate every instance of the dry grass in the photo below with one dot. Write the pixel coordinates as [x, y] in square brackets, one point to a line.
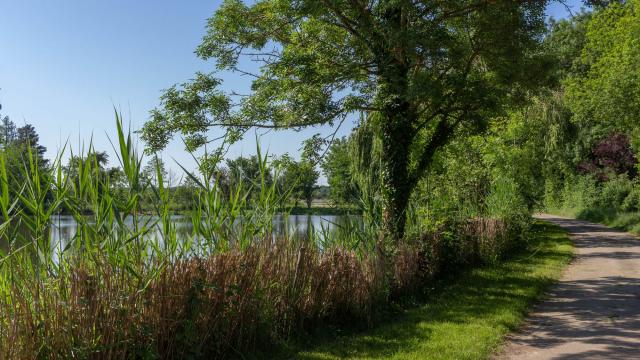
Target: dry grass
[227, 303]
[200, 307]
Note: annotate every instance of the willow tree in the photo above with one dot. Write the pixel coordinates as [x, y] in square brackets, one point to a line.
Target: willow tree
[424, 70]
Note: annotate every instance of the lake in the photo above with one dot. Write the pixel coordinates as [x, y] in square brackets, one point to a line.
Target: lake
[64, 227]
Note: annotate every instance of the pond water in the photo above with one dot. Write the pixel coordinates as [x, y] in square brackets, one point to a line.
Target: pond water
[64, 228]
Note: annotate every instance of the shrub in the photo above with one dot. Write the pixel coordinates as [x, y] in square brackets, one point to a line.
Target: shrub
[504, 200]
[632, 201]
[614, 192]
[551, 198]
[579, 192]
[609, 157]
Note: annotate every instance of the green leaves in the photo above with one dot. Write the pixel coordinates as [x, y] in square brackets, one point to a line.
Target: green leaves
[608, 93]
[4, 187]
[128, 157]
[336, 167]
[190, 110]
[424, 70]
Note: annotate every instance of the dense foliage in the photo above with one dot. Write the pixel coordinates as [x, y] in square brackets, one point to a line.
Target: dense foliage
[18, 145]
[581, 133]
[426, 71]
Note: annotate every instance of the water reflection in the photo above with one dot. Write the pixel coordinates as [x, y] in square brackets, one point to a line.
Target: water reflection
[64, 228]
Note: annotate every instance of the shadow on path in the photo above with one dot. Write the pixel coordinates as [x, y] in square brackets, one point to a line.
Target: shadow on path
[594, 311]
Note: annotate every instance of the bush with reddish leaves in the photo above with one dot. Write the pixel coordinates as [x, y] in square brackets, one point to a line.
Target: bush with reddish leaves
[610, 156]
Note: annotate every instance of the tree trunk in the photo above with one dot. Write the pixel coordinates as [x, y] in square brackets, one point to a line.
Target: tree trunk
[397, 128]
[396, 187]
[397, 132]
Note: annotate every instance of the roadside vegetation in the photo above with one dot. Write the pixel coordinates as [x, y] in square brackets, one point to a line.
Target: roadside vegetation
[464, 316]
[590, 170]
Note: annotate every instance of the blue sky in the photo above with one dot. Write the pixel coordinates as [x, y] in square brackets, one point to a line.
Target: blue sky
[65, 64]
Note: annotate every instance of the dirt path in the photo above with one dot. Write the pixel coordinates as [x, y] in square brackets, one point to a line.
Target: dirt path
[594, 311]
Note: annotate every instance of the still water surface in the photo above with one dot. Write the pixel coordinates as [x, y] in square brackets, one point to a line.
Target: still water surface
[64, 228]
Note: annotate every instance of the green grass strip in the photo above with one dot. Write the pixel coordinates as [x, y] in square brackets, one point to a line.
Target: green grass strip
[466, 317]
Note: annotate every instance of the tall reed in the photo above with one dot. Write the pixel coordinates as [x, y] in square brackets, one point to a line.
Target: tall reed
[126, 285]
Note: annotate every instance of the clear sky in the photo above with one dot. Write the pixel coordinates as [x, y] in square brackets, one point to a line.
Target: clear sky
[65, 64]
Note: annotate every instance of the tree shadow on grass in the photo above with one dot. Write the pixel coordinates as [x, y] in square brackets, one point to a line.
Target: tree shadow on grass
[493, 299]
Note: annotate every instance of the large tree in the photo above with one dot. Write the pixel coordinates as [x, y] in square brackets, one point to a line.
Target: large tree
[424, 70]
[605, 96]
[336, 166]
[7, 131]
[246, 170]
[299, 176]
[27, 136]
[96, 160]
[150, 170]
[19, 146]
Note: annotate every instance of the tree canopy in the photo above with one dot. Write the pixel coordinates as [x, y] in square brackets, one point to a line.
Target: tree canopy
[336, 166]
[608, 93]
[426, 69]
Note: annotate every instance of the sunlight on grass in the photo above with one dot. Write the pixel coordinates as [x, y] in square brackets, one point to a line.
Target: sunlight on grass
[464, 319]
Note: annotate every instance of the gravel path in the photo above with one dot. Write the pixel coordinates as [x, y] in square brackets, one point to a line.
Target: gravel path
[594, 310]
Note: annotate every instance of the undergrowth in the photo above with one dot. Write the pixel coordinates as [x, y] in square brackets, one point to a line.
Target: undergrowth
[127, 286]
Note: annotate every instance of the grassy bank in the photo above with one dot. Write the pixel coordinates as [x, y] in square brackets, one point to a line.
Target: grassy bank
[614, 202]
[465, 317]
[627, 221]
